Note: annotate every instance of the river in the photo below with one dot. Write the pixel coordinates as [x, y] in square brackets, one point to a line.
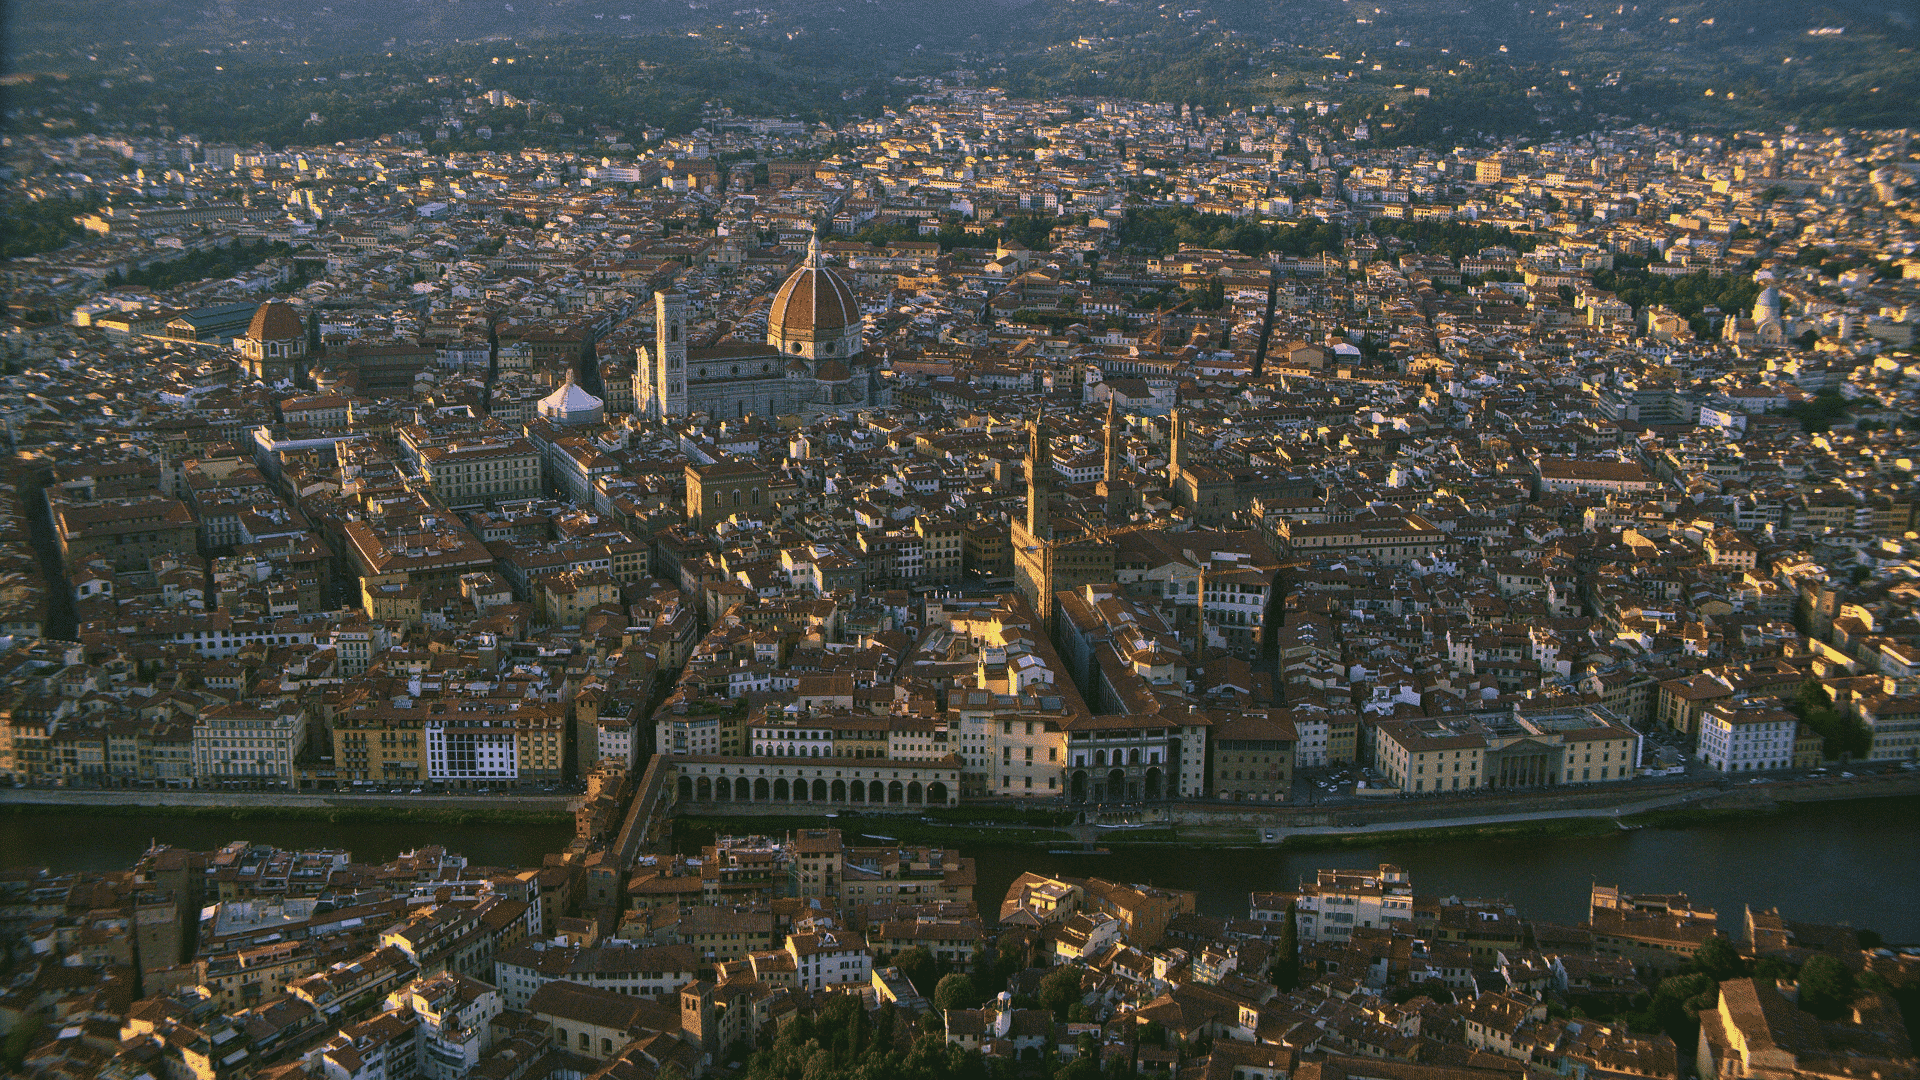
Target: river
[72, 841]
[1853, 862]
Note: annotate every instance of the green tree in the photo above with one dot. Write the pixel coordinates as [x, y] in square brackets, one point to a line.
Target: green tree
[1826, 987]
[22, 1039]
[29, 228]
[956, 991]
[1060, 990]
[1286, 960]
[1675, 1008]
[1719, 960]
[920, 968]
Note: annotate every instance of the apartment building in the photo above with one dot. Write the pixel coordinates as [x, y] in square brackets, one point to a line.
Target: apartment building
[1893, 721]
[1391, 541]
[635, 970]
[1337, 901]
[1462, 753]
[1253, 758]
[245, 744]
[1747, 737]
[481, 470]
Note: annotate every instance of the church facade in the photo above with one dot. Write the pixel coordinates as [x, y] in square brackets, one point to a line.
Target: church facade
[813, 360]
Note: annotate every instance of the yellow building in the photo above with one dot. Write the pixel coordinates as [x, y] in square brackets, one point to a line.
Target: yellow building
[564, 599]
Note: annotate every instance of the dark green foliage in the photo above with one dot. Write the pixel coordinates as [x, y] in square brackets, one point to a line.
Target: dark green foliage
[956, 991]
[1842, 734]
[200, 265]
[921, 968]
[1164, 230]
[1035, 232]
[1285, 972]
[843, 1043]
[29, 228]
[1675, 1009]
[1686, 295]
[22, 1039]
[1453, 238]
[1826, 987]
[1821, 413]
[1060, 990]
[1055, 321]
[1719, 959]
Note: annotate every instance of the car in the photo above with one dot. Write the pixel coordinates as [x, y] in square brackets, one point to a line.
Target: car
[415, 791]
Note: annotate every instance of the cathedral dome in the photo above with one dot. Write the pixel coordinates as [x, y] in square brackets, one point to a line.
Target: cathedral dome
[275, 321]
[813, 304]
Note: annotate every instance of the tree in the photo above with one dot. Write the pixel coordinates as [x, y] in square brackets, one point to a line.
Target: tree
[920, 968]
[1286, 958]
[1082, 1067]
[1826, 987]
[956, 991]
[1719, 960]
[1675, 1008]
[22, 1039]
[1059, 990]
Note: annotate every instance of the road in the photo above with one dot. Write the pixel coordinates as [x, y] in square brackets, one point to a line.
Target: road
[243, 799]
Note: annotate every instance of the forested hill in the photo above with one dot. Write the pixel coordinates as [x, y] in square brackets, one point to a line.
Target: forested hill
[1489, 68]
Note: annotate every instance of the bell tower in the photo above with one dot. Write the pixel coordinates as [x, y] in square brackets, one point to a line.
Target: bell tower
[1039, 479]
[669, 361]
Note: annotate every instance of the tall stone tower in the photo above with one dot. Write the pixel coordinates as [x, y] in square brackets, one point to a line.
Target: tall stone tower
[665, 372]
[1114, 492]
[1039, 478]
[698, 1017]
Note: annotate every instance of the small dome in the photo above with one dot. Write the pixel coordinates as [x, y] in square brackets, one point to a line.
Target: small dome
[813, 303]
[275, 321]
[832, 371]
[571, 404]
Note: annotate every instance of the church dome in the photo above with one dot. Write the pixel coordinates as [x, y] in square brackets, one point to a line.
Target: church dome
[813, 304]
[833, 371]
[571, 404]
[275, 321]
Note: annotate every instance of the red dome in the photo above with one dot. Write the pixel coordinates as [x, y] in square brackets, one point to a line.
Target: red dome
[275, 321]
[814, 303]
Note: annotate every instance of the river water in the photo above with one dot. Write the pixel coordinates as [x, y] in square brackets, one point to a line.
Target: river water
[1852, 862]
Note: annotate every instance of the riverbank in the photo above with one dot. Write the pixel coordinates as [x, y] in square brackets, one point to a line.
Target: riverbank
[336, 810]
[1673, 811]
[692, 831]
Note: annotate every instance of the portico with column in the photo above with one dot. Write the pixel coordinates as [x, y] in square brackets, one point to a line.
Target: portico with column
[870, 782]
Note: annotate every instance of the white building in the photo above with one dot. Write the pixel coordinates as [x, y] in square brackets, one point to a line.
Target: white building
[244, 744]
[792, 740]
[616, 743]
[825, 959]
[698, 735]
[1339, 900]
[472, 750]
[1735, 738]
[640, 971]
[456, 1015]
